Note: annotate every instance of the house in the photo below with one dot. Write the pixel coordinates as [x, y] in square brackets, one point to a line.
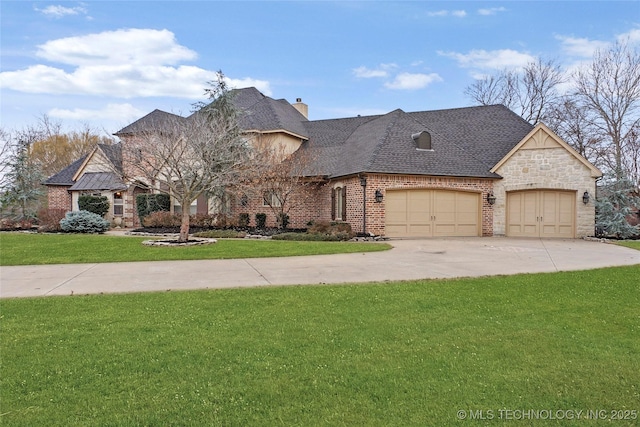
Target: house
[475, 171]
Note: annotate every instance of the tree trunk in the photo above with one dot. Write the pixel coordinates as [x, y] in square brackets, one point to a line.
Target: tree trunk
[184, 224]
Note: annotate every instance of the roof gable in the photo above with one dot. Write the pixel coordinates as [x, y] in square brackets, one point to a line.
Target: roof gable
[541, 137]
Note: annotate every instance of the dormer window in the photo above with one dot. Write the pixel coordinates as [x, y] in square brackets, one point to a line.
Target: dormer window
[422, 140]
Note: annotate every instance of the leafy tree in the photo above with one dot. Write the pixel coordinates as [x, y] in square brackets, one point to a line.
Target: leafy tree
[188, 157]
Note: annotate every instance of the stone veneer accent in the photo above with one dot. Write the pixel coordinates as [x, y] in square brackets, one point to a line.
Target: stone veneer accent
[551, 168]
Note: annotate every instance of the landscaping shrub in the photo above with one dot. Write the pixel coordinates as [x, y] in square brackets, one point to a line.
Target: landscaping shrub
[283, 220]
[221, 234]
[161, 219]
[243, 220]
[342, 230]
[84, 222]
[308, 237]
[98, 205]
[49, 219]
[261, 220]
[146, 204]
[202, 220]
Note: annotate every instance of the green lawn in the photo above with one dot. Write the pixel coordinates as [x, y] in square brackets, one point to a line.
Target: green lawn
[388, 354]
[635, 244]
[32, 249]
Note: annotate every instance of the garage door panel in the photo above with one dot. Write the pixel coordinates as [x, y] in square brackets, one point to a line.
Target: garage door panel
[541, 213]
[428, 213]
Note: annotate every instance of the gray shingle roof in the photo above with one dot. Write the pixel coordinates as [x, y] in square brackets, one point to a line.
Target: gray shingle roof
[465, 141]
[65, 176]
[157, 119]
[262, 113]
[98, 181]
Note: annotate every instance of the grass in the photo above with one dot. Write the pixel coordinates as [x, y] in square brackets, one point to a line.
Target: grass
[34, 249]
[388, 354]
[634, 244]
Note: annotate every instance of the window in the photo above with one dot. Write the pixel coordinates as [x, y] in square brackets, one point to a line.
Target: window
[271, 199]
[339, 204]
[118, 203]
[193, 208]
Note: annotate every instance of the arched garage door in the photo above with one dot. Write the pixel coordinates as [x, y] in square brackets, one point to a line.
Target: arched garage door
[432, 213]
[541, 213]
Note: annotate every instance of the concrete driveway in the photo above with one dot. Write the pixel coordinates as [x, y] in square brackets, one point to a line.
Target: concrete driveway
[409, 259]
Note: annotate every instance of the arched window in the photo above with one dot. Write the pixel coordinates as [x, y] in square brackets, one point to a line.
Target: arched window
[339, 204]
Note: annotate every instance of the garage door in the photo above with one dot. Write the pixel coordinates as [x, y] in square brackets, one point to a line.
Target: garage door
[542, 213]
[432, 213]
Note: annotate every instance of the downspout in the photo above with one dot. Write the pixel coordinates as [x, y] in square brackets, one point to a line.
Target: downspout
[363, 183]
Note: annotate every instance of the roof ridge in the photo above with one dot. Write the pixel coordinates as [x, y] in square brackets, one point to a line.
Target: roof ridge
[398, 112]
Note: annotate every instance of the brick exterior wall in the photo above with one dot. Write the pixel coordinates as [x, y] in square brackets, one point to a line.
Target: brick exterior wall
[376, 211]
[318, 205]
[552, 168]
[58, 197]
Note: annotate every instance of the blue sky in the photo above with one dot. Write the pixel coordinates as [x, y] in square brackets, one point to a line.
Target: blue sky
[107, 63]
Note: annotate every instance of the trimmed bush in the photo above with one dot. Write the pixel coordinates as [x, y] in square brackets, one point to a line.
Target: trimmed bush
[341, 230]
[243, 220]
[162, 219]
[83, 222]
[146, 204]
[98, 205]
[283, 220]
[261, 220]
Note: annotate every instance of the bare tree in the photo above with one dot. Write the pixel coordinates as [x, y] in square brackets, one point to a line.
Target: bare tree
[280, 178]
[609, 88]
[188, 157]
[56, 149]
[532, 93]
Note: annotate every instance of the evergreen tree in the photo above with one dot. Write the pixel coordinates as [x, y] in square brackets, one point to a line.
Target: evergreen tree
[617, 202]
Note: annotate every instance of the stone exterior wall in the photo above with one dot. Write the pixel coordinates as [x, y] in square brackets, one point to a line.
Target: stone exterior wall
[551, 168]
[58, 197]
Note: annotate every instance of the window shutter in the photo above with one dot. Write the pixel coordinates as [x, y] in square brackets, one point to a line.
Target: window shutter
[344, 203]
[333, 205]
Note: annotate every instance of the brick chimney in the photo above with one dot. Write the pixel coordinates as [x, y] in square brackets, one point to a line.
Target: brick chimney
[302, 107]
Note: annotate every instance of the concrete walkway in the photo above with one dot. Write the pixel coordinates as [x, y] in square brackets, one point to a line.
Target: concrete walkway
[409, 259]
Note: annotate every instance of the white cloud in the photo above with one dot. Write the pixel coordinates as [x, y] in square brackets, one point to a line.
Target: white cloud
[122, 64]
[632, 36]
[121, 113]
[580, 46]
[410, 81]
[130, 46]
[491, 11]
[490, 59]
[456, 13]
[366, 73]
[61, 11]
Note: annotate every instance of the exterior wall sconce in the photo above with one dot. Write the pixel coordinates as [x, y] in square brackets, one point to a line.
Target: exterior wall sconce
[585, 197]
[379, 196]
[491, 199]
